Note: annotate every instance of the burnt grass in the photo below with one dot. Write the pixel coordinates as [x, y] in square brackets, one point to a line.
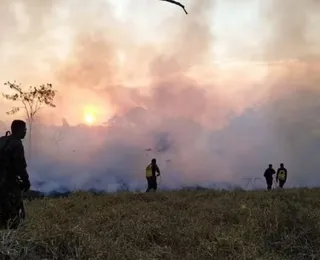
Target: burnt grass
[203, 224]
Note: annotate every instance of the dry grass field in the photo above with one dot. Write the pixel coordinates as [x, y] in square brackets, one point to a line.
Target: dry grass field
[181, 225]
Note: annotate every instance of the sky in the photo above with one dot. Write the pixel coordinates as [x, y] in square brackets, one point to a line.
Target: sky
[224, 90]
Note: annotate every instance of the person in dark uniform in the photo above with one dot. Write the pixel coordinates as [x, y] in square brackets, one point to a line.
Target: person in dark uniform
[151, 176]
[268, 174]
[13, 167]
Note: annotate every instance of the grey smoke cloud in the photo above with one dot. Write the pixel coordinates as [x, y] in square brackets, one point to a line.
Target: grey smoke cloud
[203, 130]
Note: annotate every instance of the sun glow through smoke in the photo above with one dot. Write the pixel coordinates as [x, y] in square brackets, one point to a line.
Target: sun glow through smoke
[90, 115]
[89, 119]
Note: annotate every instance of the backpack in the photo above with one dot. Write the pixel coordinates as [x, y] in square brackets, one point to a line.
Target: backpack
[4, 158]
[282, 175]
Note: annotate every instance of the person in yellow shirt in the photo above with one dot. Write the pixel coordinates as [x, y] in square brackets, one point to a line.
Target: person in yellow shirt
[151, 176]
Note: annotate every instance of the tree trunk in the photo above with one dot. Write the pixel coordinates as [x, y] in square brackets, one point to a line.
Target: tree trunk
[30, 141]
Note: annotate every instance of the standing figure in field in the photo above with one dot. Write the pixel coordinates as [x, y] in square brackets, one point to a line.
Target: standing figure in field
[12, 168]
[268, 174]
[151, 176]
[281, 175]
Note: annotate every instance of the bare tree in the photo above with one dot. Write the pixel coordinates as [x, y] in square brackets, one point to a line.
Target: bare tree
[176, 3]
[31, 100]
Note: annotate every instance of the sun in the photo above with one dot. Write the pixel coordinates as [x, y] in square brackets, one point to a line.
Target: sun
[89, 118]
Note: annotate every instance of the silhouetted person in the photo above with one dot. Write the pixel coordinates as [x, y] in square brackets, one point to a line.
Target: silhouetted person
[13, 168]
[151, 176]
[22, 210]
[281, 175]
[268, 174]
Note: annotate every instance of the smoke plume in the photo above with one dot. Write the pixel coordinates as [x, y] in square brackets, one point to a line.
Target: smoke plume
[214, 96]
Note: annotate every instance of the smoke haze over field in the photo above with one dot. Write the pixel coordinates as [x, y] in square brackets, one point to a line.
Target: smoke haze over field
[217, 95]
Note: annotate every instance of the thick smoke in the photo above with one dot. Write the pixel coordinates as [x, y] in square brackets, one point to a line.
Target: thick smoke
[293, 29]
[159, 93]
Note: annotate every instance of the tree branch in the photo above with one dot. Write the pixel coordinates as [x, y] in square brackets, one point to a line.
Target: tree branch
[27, 111]
[176, 3]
